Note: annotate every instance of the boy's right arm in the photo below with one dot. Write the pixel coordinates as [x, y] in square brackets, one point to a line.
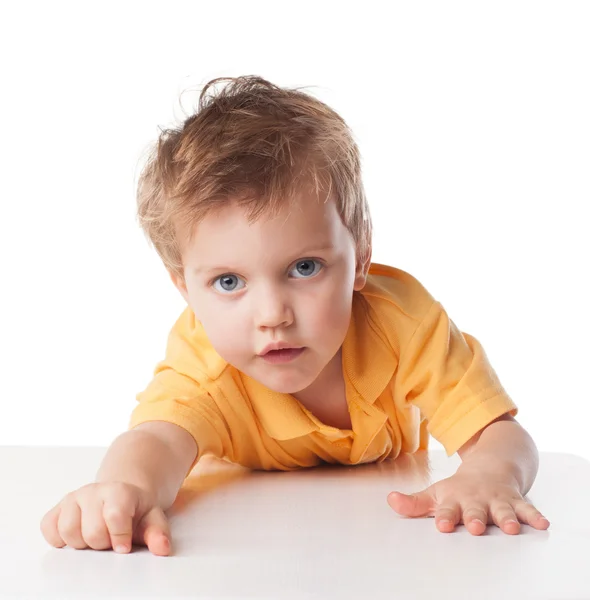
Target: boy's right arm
[138, 480]
[154, 456]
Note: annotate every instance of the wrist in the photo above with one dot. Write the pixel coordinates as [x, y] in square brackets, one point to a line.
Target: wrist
[133, 458]
[499, 468]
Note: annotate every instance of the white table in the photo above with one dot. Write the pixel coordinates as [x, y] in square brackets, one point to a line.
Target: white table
[316, 533]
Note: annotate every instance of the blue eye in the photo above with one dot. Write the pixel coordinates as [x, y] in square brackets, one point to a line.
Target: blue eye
[307, 268]
[228, 283]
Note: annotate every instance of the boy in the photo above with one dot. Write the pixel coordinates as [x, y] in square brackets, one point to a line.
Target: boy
[294, 350]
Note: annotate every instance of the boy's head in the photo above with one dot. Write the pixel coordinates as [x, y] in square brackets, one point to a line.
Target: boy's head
[256, 206]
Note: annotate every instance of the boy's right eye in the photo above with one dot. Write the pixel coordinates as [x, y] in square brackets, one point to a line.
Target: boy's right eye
[227, 283]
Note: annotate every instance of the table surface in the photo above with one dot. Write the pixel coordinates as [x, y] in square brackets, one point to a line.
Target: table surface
[325, 532]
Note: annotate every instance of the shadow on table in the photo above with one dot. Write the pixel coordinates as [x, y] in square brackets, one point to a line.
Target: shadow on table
[211, 474]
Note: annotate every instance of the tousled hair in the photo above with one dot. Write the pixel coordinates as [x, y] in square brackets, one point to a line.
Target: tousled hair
[256, 144]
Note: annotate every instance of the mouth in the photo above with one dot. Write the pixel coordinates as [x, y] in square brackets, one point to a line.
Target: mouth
[278, 345]
[282, 355]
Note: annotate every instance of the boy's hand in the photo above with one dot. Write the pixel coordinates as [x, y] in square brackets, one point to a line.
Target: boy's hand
[105, 515]
[474, 498]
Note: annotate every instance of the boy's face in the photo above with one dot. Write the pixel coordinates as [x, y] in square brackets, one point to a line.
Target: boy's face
[288, 278]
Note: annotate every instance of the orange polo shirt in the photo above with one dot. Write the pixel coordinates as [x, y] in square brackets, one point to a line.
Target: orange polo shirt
[409, 372]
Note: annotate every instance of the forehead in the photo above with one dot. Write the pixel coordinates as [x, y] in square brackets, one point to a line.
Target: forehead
[227, 233]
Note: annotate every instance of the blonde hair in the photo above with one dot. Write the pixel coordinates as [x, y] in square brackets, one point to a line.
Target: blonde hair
[253, 143]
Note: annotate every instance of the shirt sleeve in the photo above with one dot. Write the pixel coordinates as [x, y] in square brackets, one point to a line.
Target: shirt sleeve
[175, 398]
[447, 375]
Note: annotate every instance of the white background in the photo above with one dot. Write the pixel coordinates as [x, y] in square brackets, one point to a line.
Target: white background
[473, 122]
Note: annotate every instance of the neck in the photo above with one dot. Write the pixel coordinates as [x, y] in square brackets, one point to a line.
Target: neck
[328, 383]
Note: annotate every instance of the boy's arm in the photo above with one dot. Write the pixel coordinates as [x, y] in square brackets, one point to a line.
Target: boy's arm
[154, 456]
[503, 448]
[499, 465]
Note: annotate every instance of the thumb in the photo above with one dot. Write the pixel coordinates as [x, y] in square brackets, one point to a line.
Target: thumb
[412, 505]
[154, 531]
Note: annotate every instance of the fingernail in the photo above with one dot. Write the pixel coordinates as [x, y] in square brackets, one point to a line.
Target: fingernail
[121, 548]
[479, 521]
[444, 522]
[511, 521]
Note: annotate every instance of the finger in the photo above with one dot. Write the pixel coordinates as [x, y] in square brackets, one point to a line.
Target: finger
[49, 527]
[475, 518]
[412, 505]
[447, 516]
[527, 513]
[92, 526]
[505, 518]
[154, 531]
[119, 522]
[68, 525]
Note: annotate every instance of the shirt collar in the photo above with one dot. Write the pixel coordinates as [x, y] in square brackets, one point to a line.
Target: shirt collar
[368, 364]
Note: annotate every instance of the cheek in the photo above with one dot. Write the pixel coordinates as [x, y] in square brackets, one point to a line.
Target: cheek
[226, 332]
[330, 313]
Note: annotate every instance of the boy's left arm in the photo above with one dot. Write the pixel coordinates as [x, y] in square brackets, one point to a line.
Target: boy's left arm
[499, 466]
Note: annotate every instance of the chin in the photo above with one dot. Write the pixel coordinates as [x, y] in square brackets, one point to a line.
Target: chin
[282, 388]
[287, 385]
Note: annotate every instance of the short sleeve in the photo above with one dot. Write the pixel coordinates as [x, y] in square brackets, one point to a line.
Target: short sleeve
[175, 398]
[176, 393]
[447, 375]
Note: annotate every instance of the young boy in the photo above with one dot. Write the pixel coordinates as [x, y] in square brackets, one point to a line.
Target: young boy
[294, 350]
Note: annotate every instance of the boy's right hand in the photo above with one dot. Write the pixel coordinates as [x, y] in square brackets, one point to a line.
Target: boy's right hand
[108, 515]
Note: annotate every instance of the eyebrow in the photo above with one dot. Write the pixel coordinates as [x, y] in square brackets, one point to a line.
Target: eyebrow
[304, 252]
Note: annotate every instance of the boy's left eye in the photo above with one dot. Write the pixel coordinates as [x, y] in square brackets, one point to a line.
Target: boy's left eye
[306, 268]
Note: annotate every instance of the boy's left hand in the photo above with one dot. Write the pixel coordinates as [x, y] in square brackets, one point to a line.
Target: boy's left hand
[474, 498]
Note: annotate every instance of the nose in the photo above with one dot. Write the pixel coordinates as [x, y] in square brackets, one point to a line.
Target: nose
[273, 310]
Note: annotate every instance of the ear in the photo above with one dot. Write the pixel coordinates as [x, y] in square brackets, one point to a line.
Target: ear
[362, 270]
[180, 285]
